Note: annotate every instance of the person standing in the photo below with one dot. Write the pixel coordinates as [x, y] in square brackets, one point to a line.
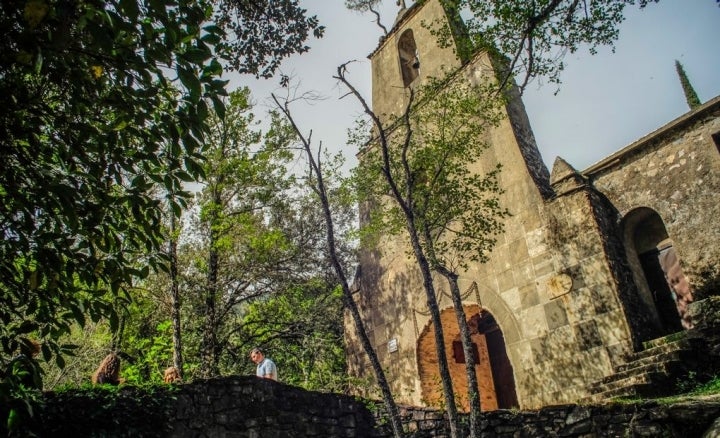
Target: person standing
[265, 367]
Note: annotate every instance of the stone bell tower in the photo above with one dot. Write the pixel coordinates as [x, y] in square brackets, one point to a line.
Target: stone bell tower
[528, 305]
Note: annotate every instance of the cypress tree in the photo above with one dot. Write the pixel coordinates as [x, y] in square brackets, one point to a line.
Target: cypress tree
[690, 95]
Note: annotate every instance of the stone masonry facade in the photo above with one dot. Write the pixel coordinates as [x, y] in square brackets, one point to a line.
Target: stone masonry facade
[569, 285]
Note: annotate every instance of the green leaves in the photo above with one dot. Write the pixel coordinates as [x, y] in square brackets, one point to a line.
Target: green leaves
[263, 34]
[442, 187]
[534, 36]
[94, 127]
[107, 108]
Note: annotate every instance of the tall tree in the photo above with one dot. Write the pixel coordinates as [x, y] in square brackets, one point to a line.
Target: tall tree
[457, 208]
[244, 176]
[91, 124]
[318, 176]
[388, 168]
[90, 98]
[175, 301]
[418, 171]
[691, 96]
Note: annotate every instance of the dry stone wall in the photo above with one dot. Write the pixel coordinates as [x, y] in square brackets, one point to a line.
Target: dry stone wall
[250, 407]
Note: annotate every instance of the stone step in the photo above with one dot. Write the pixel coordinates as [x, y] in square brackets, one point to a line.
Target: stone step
[688, 357]
[666, 369]
[652, 371]
[636, 390]
[684, 343]
[647, 386]
[603, 385]
[671, 338]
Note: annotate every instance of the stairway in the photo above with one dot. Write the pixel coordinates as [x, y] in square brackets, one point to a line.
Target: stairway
[653, 371]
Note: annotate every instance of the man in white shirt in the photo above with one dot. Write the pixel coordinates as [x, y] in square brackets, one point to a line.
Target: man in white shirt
[265, 367]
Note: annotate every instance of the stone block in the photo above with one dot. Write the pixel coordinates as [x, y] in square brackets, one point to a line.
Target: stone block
[587, 335]
[555, 314]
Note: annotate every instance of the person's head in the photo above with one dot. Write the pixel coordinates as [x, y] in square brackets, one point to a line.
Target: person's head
[172, 375]
[256, 355]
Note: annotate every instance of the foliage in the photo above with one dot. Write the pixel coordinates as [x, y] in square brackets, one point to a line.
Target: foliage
[691, 96]
[239, 248]
[106, 105]
[106, 411]
[302, 330]
[422, 178]
[91, 95]
[151, 353]
[18, 404]
[92, 340]
[710, 387]
[263, 32]
[433, 157]
[535, 36]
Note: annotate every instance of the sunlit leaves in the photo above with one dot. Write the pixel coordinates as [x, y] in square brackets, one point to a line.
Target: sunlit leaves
[432, 158]
[534, 36]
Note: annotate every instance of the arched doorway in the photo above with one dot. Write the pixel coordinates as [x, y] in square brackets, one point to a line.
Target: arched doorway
[493, 368]
[658, 274]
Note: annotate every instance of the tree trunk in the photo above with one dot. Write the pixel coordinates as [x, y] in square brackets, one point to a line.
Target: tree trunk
[438, 330]
[175, 299]
[413, 233]
[348, 299]
[208, 363]
[473, 388]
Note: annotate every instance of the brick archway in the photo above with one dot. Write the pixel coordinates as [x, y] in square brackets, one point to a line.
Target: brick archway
[493, 368]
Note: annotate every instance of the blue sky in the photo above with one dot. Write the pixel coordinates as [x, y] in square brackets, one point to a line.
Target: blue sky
[606, 101]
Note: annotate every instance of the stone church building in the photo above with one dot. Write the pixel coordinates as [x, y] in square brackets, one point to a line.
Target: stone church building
[593, 266]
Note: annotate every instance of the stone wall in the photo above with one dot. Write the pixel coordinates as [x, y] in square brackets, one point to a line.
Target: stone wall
[250, 407]
[564, 281]
[238, 406]
[675, 171]
[684, 419]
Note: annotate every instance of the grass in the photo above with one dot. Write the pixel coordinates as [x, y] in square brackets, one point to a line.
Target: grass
[686, 389]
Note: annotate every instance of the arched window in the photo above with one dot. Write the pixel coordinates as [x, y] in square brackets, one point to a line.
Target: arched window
[409, 61]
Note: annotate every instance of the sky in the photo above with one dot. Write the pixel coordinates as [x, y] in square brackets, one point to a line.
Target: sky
[605, 102]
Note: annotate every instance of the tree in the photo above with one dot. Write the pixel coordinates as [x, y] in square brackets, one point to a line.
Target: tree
[245, 174]
[457, 209]
[691, 96]
[536, 35]
[263, 32]
[317, 177]
[301, 328]
[104, 102]
[90, 100]
[175, 301]
[417, 173]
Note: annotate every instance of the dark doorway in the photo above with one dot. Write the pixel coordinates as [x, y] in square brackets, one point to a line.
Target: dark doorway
[658, 273]
[502, 370]
[661, 293]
